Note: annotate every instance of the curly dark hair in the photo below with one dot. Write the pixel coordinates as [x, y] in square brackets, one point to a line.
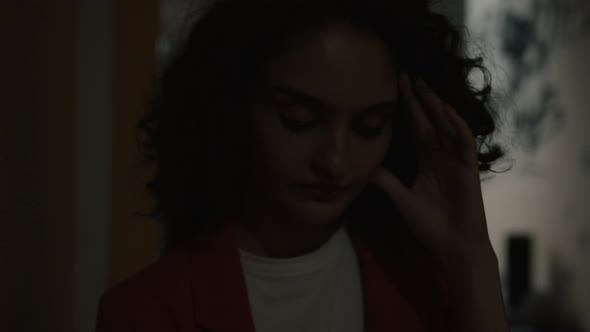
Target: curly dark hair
[196, 132]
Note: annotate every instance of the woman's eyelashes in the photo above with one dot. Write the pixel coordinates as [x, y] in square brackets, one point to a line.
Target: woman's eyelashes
[300, 126]
[369, 132]
[296, 126]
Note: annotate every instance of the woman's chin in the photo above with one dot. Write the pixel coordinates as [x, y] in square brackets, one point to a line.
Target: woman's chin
[318, 213]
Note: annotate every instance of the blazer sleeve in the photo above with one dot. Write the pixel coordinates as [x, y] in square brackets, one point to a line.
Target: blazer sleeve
[110, 317]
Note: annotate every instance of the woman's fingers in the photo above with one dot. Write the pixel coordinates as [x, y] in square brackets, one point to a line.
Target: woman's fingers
[435, 123]
[465, 138]
[463, 132]
[434, 107]
[394, 189]
[424, 134]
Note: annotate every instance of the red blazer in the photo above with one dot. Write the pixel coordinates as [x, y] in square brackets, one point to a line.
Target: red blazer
[200, 287]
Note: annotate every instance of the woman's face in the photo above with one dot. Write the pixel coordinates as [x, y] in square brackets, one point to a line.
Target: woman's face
[324, 118]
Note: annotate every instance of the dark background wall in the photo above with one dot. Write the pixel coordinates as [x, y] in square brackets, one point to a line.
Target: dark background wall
[36, 164]
[75, 77]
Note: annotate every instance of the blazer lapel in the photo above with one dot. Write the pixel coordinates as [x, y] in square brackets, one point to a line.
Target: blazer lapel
[220, 296]
[218, 285]
[385, 307]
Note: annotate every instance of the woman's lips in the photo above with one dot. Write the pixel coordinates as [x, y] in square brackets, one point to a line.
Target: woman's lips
[324, 193]
[326, 186]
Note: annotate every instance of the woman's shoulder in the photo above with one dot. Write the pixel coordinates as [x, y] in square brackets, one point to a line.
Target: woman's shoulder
[166, 271]
[159, 291]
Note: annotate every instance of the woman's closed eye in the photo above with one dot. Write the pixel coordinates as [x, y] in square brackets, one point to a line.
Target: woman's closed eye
[296, 125]
[299, 125]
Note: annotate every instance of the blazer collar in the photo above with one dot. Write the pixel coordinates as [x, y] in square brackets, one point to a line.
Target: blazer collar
[221, 298]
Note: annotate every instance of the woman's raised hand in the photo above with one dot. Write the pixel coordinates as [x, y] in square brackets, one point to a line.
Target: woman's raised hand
[444, 207]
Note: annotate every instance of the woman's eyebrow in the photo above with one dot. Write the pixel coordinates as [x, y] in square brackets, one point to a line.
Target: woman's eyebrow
[300, 97]
[316, 103]
[381, 108]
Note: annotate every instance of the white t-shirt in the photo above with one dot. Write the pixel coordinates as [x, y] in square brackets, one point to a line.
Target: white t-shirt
[320, 291]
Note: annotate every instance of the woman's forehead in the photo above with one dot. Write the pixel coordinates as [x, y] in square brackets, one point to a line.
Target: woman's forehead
[336, 44]
[339, 65]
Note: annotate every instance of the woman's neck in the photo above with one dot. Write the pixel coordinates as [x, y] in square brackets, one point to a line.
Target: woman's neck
[268, 236]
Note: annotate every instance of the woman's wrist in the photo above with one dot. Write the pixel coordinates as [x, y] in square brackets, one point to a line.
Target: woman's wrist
[476, 292]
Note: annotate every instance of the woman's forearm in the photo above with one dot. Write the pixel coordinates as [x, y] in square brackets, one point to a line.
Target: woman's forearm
[476, 293]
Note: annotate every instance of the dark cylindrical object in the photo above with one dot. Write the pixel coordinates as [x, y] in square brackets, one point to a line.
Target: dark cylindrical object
[519, 266]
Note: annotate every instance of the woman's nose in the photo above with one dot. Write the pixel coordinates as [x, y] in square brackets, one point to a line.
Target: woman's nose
[330, 157]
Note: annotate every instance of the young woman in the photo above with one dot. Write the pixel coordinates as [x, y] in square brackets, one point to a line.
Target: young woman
[318, 169]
